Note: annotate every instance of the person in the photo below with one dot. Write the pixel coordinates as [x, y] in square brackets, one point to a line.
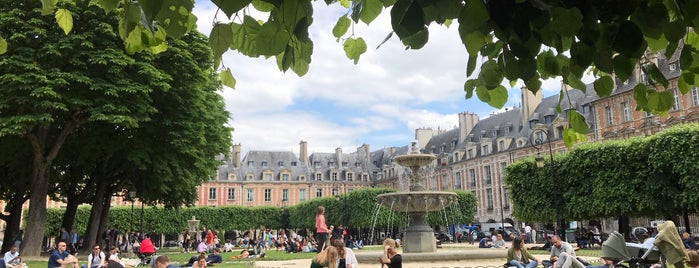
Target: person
[12, 258]
[688, 241]
[471, 230]
[390, 257]
[147, 247]
[563, 255]
[228, 246]
[322, 230]
[163, 262]
[201, 261]
[18, 238]
[484, 243]
[202, 246]
[693, 259]
[210, 240]
[186, 240]
[347, 259]
[245, 253]
[518, 255]
[61, 257]
[499, 242]
[214, 258]
[96, 259]
[74, 239]
[114, 258]
[325, 258]
[604, 263]
[528, 233]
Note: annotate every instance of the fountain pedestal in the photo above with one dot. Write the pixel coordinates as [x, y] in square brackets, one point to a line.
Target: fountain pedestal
[419, 237]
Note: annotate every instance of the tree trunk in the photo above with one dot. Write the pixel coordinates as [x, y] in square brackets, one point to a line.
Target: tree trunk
[624, 227]
[685, 217]
[71, 211]
[12, 222]
[92, 234]
[36, 218]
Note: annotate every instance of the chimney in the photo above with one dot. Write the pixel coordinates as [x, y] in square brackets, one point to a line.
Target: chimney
[423, 136]
[466, 123]
[529, 103]
[338, 156]
[235, 155]
[363, 153]
[303, 152]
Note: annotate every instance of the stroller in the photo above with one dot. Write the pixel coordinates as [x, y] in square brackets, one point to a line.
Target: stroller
[667, 249]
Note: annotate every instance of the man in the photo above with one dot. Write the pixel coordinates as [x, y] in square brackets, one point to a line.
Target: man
[528, 233]
[12, 258]
[471, 229]
[688, 241]
[563, 255]
[484, 243]
[61, 257]
[214, 258]
[163, 262]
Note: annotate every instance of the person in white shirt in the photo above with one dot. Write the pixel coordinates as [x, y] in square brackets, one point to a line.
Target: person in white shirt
[346, 254]
[96, 259]
[12, 258]
[528, 233]
[228, 247]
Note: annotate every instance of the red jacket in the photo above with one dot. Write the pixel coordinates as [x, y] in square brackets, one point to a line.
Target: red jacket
[147, 246]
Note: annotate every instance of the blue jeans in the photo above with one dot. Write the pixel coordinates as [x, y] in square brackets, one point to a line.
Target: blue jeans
[531, 264]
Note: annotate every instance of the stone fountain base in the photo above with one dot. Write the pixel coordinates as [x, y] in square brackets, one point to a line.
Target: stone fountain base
[419, 237]
[444, 255]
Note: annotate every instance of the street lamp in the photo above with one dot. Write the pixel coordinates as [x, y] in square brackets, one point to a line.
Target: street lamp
[538, 137]
[132, 195]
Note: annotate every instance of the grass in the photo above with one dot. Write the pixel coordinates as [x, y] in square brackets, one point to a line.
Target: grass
[179, 258]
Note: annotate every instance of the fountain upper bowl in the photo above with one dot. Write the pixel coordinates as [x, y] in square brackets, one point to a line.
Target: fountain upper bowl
[418, 201]
[414, 160]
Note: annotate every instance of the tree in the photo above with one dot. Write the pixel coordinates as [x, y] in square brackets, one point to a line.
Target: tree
[54, 84]
[516, 40]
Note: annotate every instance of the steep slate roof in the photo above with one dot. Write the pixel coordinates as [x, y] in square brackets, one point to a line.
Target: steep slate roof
[324, 158]
[572, 99]
[273, 159]
[486, 128]
[448, 139]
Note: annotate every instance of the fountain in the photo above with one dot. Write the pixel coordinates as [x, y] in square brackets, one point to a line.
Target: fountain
[417, 202]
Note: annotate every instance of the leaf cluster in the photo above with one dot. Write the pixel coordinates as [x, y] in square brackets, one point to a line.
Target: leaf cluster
[647, 176]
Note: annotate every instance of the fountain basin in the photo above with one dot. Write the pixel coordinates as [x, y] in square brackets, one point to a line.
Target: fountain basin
[418, 201]
[414, 159]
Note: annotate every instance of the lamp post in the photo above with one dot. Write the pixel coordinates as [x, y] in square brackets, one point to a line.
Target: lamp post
[132, 195]
[538, 137]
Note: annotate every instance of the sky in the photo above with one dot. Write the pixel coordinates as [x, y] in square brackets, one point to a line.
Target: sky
[380, 101]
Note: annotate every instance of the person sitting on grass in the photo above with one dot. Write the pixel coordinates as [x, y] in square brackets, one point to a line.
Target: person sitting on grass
[61, 257]
[484, 243]
[214, 258]
[247, 254]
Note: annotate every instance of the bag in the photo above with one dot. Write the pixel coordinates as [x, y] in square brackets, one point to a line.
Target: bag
[584, 262]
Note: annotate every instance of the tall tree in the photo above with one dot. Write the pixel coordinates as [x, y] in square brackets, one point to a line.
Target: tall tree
[53, 83]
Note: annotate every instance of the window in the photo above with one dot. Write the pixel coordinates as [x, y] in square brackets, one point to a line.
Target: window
[672, 66]
[319, 192]
[285, 177]
[442, 148]
[433, 183]
[331, 164]
[444, 182]
[676, 105]
[268, 176]
[212, 193]
[334, 192]
[695, 96]
[281, 163]
[285, 194]
[344, 164]
[469, 153]
[251, 163]
[302, 178]
[457, 181]
[548, 119]
[268, 195]
[365, 177]
[625, 112]
[472, 178]
[644, 78]
[302, 194]
[231, 193]
[357, 164]
[486, 149]
[319, 176]
[333, 176]
[503, 166]
[350, 176]
[488, 179]
[293, 163]
[250, 195]
[505, 199]
[316, 164]
[264, 163]
[501, 146]
[248, 177]
[489, 198]
[608, 116]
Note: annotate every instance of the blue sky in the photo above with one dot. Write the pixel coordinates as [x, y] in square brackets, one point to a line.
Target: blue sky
[380, 101]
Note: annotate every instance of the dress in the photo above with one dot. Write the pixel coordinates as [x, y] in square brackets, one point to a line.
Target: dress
[55, 256]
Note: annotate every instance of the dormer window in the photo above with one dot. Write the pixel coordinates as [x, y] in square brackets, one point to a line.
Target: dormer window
[533, 122]
[548, 119]
[331, 164]
[264, 163]
[344, 164]
[293, 163]
[251, 163]
[672, 66]
[281, 163]
[316, 164]
[357, 164]
[453, 143]
[442, 148]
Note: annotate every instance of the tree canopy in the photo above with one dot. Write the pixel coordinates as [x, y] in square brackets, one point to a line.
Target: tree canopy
[514, 40]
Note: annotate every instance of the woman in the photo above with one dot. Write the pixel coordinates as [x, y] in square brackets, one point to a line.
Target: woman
[499, 242]
[347, 258]
[519, 256]
[201, 262]
[325, 258]
[321, 229]
[390, 258]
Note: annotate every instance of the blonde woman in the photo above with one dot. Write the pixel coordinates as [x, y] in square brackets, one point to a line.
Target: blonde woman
[321, 229]
[499, 242]
[325, 258]
[390, 258]
[347, 258]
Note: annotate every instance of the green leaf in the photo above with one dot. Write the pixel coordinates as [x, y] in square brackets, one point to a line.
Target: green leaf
[370, 10]
[263, 6]
[604, 86]
[660, 102]
[47, 6]
[640, 95]
[133, 42]
[245, 36]
[566, 22]
[108, 5]
[231, 7]
[354, 48]
[3, 45]
[533, 84]
[623, 66]
[341, 26]
[472, 16]
[469, 86]
[416, 41]
[686, 81]
[407, 18]
[471, 65]
[227, 78]
[483, 94]
[272, 39]
[150, 9]
[64, 20]
[175, 16]
[474, 41]
[220, 39]
[629, 40]
[490, 76]
[655, 74]
[570, 137]
[498, 97]
[577, 122]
